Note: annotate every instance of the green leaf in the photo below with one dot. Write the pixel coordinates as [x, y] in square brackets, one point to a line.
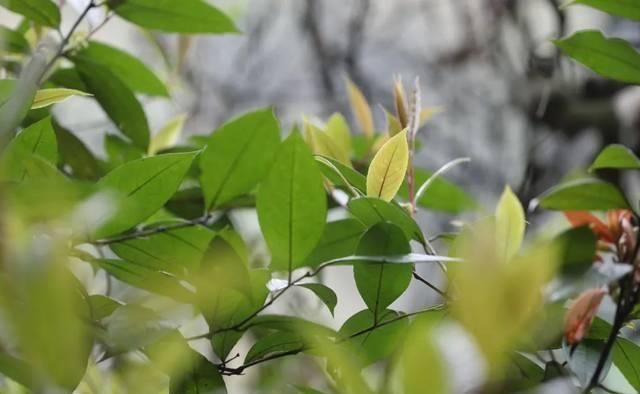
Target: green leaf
[388, 168]
[117, 100]
[75, 154]
[583, 195]
[238, 156]
[323, 144]
[102, 306]
[610, 57]
[120, 151]
[442, 194]
[578, 246]
[68, 78]
[376, 344]
[47, 97]
[381, 284]
[147, 279]
[15, 369]
[143, 187]
[132, 327]
[129, 69]
[178, 251]
[524, 374]
[624, 9]
[13, 41]
[326, 295]
[374, 210]
[291, 324]
[341, 175]
[292, 205]
[204, 378]
[191, 16]
[510, 225]
[626, 356]
[338, 130]
[274, 343]
[617, 157]
[340, 239]
[43, 12]
[38, 139]
[168, 135]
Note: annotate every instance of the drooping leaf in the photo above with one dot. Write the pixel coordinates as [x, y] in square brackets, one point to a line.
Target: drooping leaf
[583, 194]
[324, 145]
[610, 57]
[238, 156]
[43, 12]
[361, 109]
[340, 239]
[168, 135]
[388, 168]
[292, 205]
[204, 378]
[624, 9]
[130, 70]
[381, 284]
[341, 175]
[442, 195]
[374, 210]
[116, 99]
[47, 97]
[142, 186]
[38, 139]
[326, 295]
[339, 131]
[617, 157]
[510, 225]
[277, 342]
[192, 16]
[626, 356]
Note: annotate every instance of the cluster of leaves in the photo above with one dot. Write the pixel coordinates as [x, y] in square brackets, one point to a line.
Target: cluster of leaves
[154, 216]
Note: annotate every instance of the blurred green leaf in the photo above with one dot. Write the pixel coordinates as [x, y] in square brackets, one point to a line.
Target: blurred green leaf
[510, 225]
[583, 194]
[13, 41]
[47, 97]
[326, 295]
[274, 343]
[116, 99]
[132, 327]
[626, 356]
[340, 239]
[16, 369]
[442, 195]
[102, 306]
[523, 374]
[292, 205]
[192, 16]
[381, 284]
[167, 136]
[142, 187]
[584, 359]
[371, 210]
[38, 139]
[616, 156]
[624, 9]
[120, 151]
[43, 12]
[68, 78]
[578, 247]
[75, 154]
[238, 156]
[337, 173]
[129, 69]
[339, 131]
[610, 57]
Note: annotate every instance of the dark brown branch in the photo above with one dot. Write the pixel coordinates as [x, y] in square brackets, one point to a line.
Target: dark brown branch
[430, 285]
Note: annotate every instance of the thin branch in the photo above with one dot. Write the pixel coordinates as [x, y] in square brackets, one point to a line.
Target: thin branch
[430, 285]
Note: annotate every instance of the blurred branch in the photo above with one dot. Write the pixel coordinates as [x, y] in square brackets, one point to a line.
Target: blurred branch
[324, 56]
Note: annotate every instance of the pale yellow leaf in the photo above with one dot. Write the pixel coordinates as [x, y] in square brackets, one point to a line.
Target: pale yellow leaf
[168, 136]
[338, 130]
[322, 144]
[510, 225]
[393, 124]
[47, 97]
[428, 113]
[388, 168]
[400, 101]
[361, 109]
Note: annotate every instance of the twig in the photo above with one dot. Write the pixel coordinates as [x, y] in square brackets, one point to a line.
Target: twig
[430, 285]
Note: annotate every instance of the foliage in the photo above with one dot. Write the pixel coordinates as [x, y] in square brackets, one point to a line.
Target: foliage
[153, 215]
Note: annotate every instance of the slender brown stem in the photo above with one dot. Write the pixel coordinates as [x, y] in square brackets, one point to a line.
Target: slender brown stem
[430, 285]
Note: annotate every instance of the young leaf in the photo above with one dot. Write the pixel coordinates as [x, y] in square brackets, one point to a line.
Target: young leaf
[510, 225]
[326, 295]
[626, 356]
[338, 130]
[361, 109]
[624, 9]
[277, 342]
[371, 211]
[168, 136]
[610, 57]
[117, 100]
[322, 144]
[341, 175]
[388, 168]
[47, 97]
[238, 156]
[583, 195]
[129, 69]
[192, 16]
[144, 186]
[38, 139]
[43, 12]
[381, 284]
[617, 157]
[292, 205]
[340, 239]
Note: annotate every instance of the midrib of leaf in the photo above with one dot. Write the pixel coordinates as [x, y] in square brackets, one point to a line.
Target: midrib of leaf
[378, 291]
[386, 171]
[33, 152]
[635, 371]
[186, 242]
[153, 177]
[134, 247]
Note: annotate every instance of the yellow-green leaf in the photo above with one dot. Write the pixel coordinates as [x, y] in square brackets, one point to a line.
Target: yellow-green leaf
[510, 225]
[47, 97]
[388, 168]
[400, 101]
[393, 124]
[338, 130]
[168, 135]
[322, 144]
[361, 109]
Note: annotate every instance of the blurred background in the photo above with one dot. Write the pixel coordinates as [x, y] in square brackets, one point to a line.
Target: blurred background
[524, 114]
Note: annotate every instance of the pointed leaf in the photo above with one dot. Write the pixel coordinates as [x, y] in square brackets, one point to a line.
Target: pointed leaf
[626, 356]
[341, 175]
[624, 9]
[238, 156]
[75, 154]
[616, 156]
[388, 168]
[292, 205]
[583, 194]
[371, 211]
[361, 109]
[322, 144]
[326, 295]
[510, 225]
[43, 12]
[339, 131]
[168, 136]
[38, 139]
[47, 97]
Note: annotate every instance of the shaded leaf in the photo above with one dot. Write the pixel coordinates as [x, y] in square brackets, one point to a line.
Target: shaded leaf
[340, 174]
[38, 139]
[578, 246]
[326, 295]
[75, 154]
[583, 194]
[274, 343]
[340, 239]
[442, 195]
[168, 136]
[626, 356]
[43, 12]
[616, 156]
[388, 168]
[374, 210]
[13, 41]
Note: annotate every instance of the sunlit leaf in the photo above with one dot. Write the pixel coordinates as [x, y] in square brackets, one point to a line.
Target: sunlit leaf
[47, 97]
[583, 194]
[168, 136]
[388, 168]
[340, 133]
[324, 145]
[616, 156]
[361, 109]
[510, 225]
[371, 210]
